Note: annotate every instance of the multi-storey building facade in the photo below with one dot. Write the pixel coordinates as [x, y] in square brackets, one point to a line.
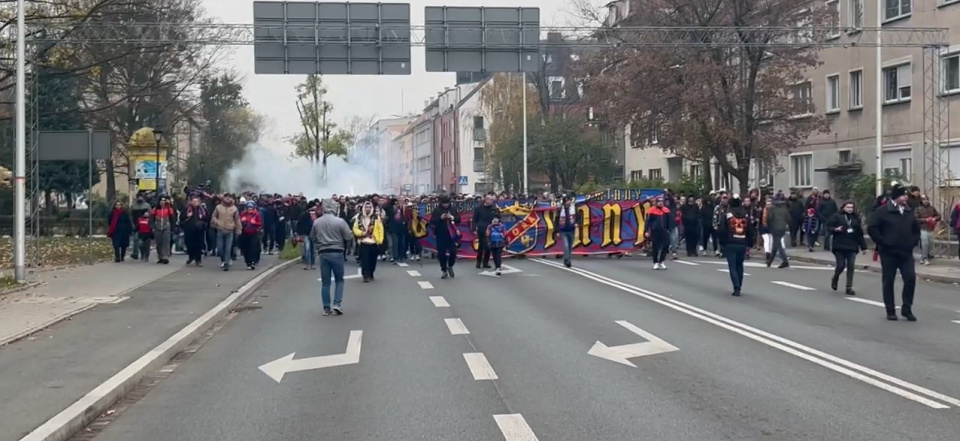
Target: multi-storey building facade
[844, 88]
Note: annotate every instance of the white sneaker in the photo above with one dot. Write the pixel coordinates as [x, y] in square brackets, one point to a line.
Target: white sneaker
[656, 266]
[663, 266]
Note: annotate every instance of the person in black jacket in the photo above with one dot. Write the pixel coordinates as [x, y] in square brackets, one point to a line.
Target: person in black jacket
[690, 217]
[482, 217]
[302, 232]
[733, 230]
[709, 236]
[826, 208]
[896, 231]
[847, 233]
[445, 220]
[121, 227]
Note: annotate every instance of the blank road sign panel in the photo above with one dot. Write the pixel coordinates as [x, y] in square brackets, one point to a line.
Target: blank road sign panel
[73, 145]
[477, 39]
[331, 38]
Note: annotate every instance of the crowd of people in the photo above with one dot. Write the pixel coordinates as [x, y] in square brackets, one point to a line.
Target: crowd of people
[376, 228]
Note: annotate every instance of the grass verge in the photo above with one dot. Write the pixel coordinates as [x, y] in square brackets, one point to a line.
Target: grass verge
[58, 251]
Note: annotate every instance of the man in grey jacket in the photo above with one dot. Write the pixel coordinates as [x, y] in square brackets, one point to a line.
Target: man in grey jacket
[330, 235]
[777, 221]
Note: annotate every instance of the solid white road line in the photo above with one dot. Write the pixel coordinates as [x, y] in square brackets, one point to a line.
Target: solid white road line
[794, 286]
[439, 302]
[515, 428]
[402, 265]
[957, 322]
[728, 271]
[684, 262]
[479, 366]
[456, 326]
[812, 355]
[413, 273]
[868, 302]
[424, 284]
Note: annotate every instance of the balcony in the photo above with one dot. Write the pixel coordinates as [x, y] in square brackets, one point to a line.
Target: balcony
[479, 166]
[479, 134]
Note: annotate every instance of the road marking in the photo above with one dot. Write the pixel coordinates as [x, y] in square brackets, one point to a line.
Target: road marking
[957, 322]
[794, 286]
[479, 366]
[684, 262]
[868, 302]
[413, 273]
[812, 355]
[763, 265]
[358, 275]
[505, 269]
[402, 265]
[621, 354]
[439, 302]
[276, 369]
[515, 428]
[722, 270]
[456, 326]
[424, 284]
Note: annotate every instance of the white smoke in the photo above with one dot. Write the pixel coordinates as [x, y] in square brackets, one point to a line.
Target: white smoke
[274, 171]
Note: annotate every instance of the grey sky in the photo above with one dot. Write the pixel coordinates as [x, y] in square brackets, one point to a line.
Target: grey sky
[379, 96]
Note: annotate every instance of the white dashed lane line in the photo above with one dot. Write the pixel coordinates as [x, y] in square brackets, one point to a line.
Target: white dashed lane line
[456, 326]
[479, 366]
[424, 284]
[402, 265]
[868, 302]
[413, 273]
[439, 302]
[728, 271]
[684, 262]
[515, 428]
[794, 286]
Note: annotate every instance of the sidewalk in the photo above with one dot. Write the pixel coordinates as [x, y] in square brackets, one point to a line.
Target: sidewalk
[130, 308]
[942, 269]
[68, 291]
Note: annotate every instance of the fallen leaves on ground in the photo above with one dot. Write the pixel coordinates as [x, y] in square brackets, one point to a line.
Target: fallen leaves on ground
[58, 251]
[7, 282]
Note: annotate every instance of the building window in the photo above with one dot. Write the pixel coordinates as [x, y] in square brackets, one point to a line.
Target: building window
[557, 90]
[655, 174]
[802, 93]
[636, 175]
[844, 156]
[906, 167]
[654, 132]
[898, 80]
[833, 93]
[803, 22]
[765, 174]
[856, 89]
[801, 170]
[855, 17]
[478, 122]
[895, 9]
[547, 58]
[833, 8]
[951, 73]
[696, 171]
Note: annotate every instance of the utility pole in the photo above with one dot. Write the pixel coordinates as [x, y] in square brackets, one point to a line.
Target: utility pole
[20, 167]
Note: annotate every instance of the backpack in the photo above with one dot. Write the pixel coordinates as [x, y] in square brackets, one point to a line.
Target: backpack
[497, 239]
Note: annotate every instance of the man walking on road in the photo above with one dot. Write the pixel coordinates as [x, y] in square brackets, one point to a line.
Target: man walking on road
[896, 231]
[226, 221]
[330, 235]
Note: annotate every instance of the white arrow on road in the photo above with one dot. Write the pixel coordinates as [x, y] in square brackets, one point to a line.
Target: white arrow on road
[276, 369]
[504, 270]
[621, 354]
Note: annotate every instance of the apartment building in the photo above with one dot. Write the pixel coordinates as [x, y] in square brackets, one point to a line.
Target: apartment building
[380, 138]
[423, 160]
[844, 89]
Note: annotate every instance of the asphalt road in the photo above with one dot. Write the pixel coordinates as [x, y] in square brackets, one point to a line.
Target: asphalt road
[780, 363]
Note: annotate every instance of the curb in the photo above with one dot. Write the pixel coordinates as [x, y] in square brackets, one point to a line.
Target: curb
[16, 289]
[75, 417]
[876, 269]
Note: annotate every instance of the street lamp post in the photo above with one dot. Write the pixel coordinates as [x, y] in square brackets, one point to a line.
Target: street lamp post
[157, 137]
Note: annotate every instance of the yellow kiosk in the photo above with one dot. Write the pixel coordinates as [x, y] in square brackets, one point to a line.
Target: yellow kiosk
[142, 159]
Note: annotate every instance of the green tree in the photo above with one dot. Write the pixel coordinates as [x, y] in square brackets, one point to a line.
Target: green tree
[315, 141]
[57, 98]
[227, 126]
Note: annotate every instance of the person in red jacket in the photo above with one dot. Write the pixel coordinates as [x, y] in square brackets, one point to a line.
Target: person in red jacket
[252, 224]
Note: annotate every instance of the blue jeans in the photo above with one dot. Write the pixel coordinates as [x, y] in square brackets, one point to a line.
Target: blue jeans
[331, 264]
[735, 255]
[567, 238]
[307, 256]
[224, 245]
